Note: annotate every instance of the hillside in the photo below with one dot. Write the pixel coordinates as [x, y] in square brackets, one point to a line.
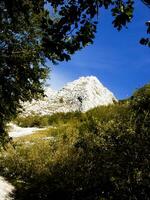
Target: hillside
[80, 95]
[99, 154]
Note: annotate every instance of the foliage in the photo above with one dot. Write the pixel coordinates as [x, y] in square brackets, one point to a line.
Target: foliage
[48, 120]
[146, 2]
[140, 101]
[32, 121]
[146, 41]
[22, 70]
[33, 31]
[102, 155]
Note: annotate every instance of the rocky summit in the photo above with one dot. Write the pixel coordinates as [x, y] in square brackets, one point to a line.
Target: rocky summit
[80, 95]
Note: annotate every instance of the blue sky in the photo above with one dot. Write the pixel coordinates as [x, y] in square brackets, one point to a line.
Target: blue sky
[116, 58]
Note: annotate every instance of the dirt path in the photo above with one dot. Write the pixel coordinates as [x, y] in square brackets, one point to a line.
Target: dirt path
[6, 189]
[16, 131]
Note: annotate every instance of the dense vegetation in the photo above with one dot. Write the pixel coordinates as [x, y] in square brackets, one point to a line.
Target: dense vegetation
[102, 154]
[34, 31]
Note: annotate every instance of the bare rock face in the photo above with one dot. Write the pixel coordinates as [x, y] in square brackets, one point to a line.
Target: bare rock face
[80, 95]
[6, 189]
[42, 106]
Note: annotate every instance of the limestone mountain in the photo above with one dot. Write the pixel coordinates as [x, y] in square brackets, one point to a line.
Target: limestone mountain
[80, 95]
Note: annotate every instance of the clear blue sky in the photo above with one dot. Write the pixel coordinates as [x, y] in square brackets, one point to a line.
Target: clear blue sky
[116, 58]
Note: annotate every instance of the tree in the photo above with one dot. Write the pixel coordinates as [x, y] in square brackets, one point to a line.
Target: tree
[146, 41]
[140, 101]
[21, 72]
[35, 30]
[146, 2]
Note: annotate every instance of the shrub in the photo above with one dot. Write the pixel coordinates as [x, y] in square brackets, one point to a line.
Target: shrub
[32, 121]
[140, 101]
[100, 155]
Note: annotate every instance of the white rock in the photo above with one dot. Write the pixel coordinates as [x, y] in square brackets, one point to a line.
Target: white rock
[16, 131]
[80, 95]
[6, 189]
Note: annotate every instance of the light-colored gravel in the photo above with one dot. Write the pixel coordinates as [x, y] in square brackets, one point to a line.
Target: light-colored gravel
[6, 189]
[16, 131]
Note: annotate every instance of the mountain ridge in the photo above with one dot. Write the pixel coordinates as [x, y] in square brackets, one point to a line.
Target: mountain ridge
[79, 95]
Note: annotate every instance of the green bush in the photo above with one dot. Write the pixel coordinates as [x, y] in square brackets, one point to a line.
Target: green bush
[99, 155]
[140, 101]
[32, 121]
[49, 120]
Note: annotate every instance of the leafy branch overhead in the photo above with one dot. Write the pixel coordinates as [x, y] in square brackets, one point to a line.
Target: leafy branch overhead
[146, 41]
[75, 14]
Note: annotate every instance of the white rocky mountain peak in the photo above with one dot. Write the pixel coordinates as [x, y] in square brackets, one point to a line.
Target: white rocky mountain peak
[80, 95]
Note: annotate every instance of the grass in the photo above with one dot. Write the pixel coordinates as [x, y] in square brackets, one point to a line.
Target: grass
[34, 137]
[49, 120]
[101, 154]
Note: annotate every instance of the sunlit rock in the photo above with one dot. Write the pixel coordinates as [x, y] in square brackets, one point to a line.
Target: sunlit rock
[6, 189]
[80, 95]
